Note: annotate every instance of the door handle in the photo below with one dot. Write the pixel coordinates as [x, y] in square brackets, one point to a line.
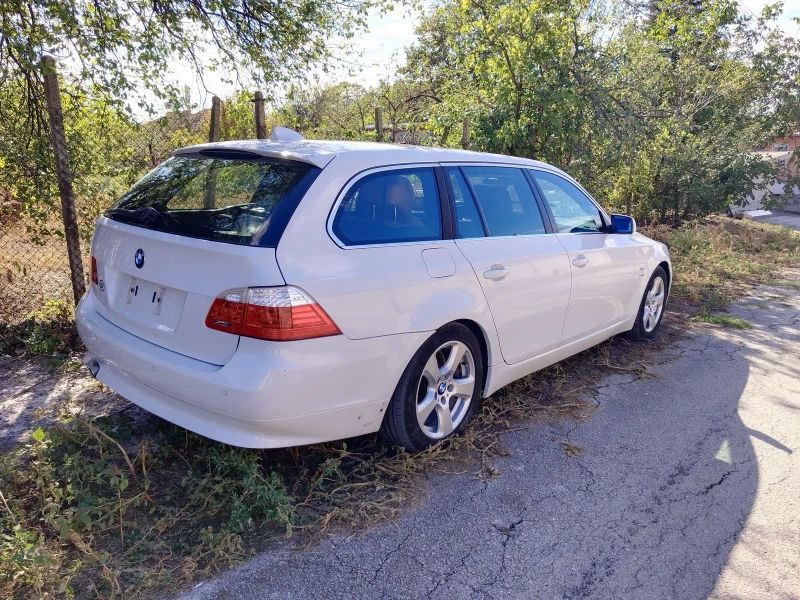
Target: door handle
[496, 273]
[580, 261]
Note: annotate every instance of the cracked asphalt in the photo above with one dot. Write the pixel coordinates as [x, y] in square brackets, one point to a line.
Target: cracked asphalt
[687, 486]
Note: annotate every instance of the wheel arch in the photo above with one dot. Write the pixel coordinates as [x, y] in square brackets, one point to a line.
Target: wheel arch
[668, 270]
[483, 342]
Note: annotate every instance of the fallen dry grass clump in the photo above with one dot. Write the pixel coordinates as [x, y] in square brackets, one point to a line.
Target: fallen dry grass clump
[126, 505]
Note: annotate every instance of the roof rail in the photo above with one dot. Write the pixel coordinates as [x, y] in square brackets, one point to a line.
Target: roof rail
[284, 134]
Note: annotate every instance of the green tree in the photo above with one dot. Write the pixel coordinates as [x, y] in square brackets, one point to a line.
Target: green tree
[655, 106]
[112, 49]
[329, 111]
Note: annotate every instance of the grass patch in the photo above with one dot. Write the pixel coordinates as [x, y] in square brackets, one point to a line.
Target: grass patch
[717, 260]
[108, 508]
[111, 508]
[49, 332]
[723, 320]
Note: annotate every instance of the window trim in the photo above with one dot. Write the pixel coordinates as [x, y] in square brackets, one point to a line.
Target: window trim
[603, 215]
[365, 173]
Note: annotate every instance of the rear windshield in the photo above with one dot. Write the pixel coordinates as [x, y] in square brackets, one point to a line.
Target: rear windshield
[236, 201]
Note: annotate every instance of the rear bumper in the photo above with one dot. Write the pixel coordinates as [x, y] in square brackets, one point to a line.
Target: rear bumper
[268, 395]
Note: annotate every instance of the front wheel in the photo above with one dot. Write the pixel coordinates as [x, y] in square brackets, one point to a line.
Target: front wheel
[439, 391]
[651, 309]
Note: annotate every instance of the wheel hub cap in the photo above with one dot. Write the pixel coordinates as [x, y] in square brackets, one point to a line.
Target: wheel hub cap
[445, 389]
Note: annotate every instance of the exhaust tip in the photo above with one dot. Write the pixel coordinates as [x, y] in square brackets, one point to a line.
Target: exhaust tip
[94, 366]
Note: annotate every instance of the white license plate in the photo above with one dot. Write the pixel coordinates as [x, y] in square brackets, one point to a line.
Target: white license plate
[145, 297]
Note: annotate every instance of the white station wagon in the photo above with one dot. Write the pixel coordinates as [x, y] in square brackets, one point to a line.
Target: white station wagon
[285, 292]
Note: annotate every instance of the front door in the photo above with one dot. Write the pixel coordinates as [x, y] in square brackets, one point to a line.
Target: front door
[604, 276]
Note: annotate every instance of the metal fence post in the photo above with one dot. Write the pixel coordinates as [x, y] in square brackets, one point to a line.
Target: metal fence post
[260, 116]
[63, 175]
[465, 143]
[209, 194]
[379, 123]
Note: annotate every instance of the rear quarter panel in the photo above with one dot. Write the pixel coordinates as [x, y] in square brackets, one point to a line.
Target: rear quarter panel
[380, 290]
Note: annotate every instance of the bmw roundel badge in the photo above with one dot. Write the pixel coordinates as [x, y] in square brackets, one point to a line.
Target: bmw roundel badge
[138, 258]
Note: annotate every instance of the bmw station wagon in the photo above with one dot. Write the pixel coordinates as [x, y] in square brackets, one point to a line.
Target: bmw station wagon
[285, 292]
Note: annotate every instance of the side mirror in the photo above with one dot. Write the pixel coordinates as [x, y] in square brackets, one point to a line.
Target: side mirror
[623, 224]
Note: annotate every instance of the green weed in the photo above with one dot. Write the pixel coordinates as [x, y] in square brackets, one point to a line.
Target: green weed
[80, 511]
[723, 320]
[49, 332]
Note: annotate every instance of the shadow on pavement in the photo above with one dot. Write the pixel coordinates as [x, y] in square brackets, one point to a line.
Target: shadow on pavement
[650, 508]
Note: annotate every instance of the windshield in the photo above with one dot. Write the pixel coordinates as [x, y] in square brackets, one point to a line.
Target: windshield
[238, 201]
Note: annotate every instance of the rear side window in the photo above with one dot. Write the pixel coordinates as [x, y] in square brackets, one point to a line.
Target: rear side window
[506, 200]
[238, 201]
[401, 205]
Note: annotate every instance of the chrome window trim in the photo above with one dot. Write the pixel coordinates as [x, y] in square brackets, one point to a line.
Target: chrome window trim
[603, 214]
[459, 163]
[358, 177]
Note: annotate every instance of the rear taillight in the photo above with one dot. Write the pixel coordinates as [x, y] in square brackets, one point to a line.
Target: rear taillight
[278, 314]
[227, 311]
[95, 278]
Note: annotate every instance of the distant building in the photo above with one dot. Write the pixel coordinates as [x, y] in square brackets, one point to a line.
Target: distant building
[780, 152]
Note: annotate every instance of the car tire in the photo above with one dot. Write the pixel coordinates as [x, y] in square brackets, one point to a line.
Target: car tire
[651, 308]
[438, 392]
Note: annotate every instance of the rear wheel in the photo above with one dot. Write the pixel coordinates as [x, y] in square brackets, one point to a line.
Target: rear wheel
[651, 309]
[439, 391]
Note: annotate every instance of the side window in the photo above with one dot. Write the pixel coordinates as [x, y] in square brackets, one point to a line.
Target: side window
[572, 210]
[506, 200]
[468, 219]
[401, 205]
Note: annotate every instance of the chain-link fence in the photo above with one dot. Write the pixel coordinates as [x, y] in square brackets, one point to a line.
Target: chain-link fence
[100, 152]
[49, 204]
[34, 240]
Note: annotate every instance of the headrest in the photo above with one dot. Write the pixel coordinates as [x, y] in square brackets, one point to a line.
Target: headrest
[400, 193]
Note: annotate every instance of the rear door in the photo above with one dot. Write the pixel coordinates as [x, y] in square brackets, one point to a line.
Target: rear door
[604, 275]
[524, 271]
[385, 266]
[191, 230]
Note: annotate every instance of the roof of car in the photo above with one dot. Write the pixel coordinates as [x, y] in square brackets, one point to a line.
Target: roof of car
[320, 152]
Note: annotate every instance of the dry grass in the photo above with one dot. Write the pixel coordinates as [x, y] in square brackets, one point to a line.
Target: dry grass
[33, 272]
[112, 508]
[717, 260]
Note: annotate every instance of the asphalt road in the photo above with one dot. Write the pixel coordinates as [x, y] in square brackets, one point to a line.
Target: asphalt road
[782, 217]
[688, 486]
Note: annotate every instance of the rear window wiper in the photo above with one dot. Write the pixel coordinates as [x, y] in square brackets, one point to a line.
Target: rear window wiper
[147, 215]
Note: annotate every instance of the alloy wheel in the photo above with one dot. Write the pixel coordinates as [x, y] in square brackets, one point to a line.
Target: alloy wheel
[653, 305]
[445, 389]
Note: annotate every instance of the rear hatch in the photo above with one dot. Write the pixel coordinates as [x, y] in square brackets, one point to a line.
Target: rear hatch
[190, 230]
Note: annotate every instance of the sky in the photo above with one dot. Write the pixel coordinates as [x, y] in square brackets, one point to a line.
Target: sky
[381, 49]
[380, 52]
